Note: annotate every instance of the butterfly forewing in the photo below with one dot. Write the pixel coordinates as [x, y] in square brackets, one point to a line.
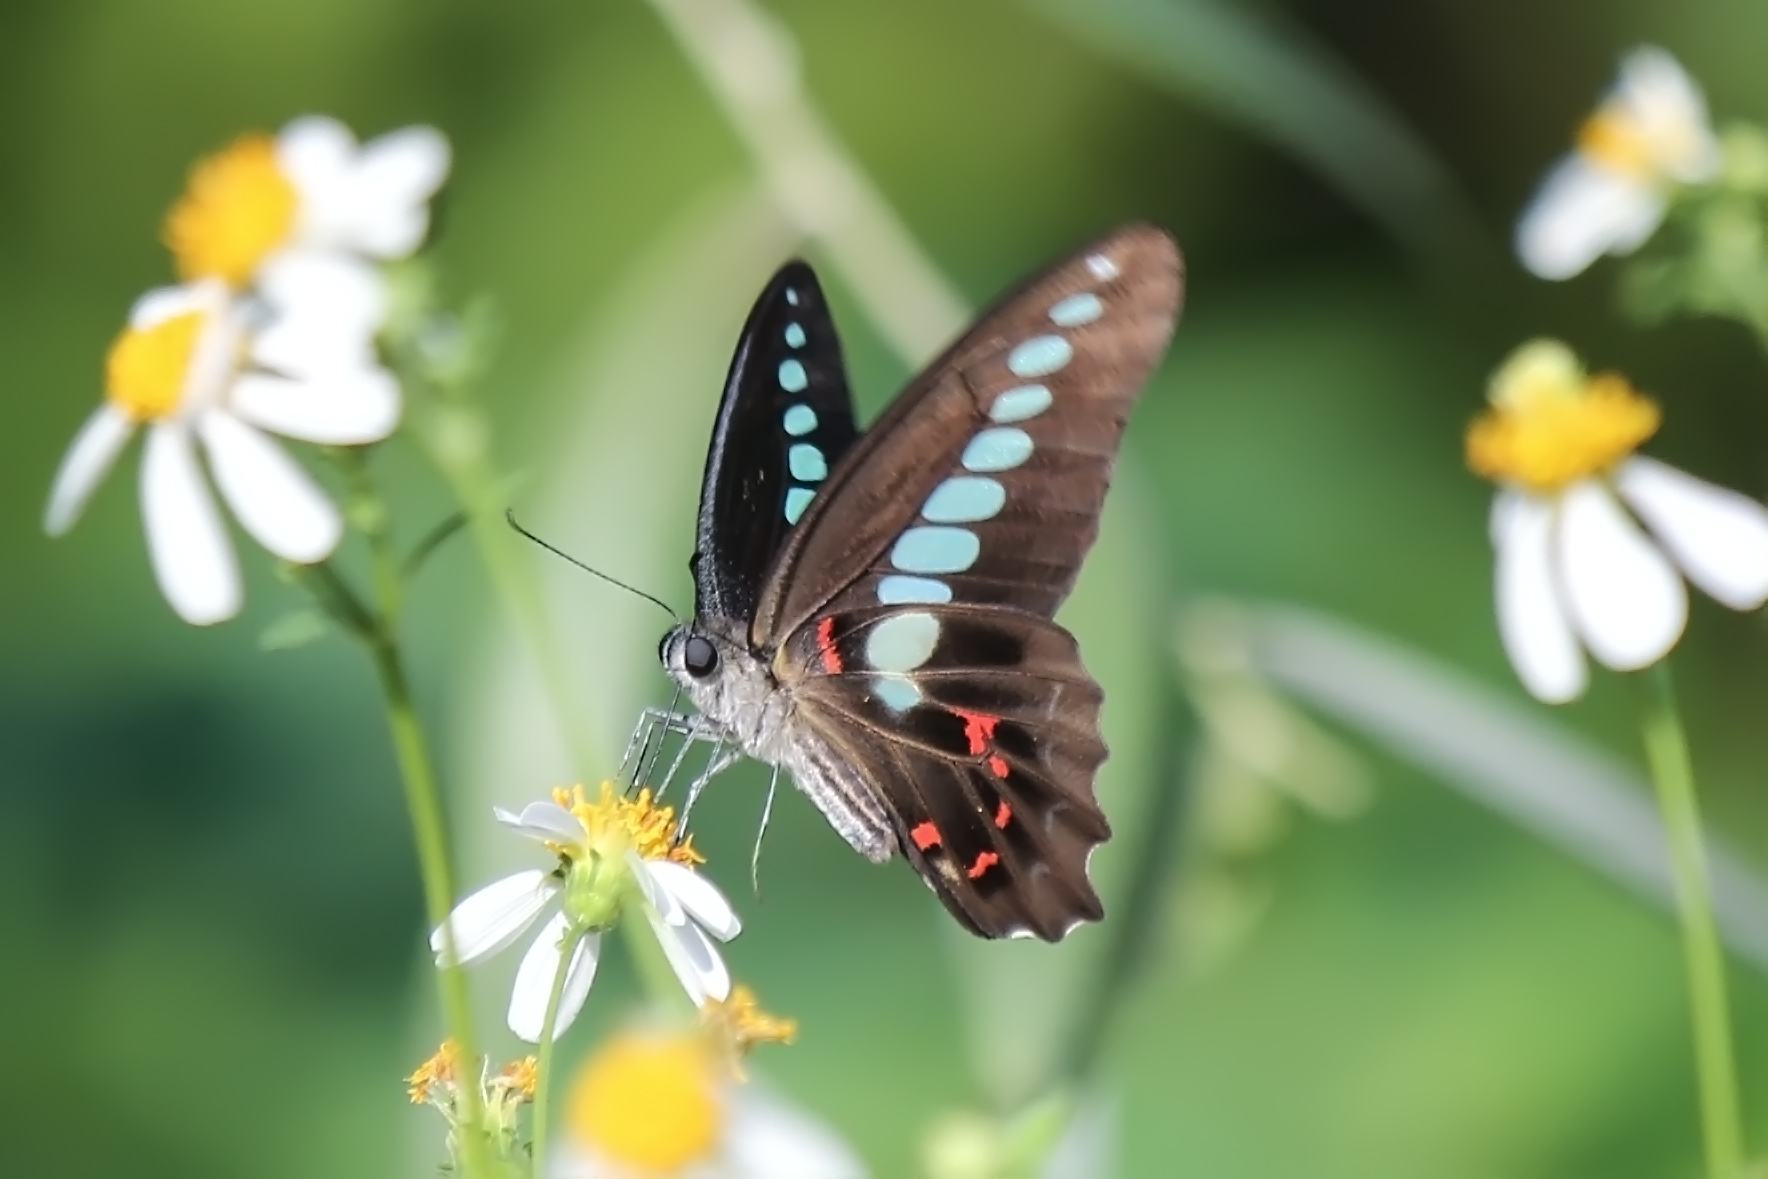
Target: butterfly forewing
[785, 420]
[909, 611]
[987, 475]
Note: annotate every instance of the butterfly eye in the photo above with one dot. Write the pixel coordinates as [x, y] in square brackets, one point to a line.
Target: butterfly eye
[700, 657]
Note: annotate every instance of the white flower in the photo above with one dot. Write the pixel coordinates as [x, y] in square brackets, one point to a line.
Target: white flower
[607, 849]
[192, 368]
[302, 217]
[662, 1105]
[1609, 195]
[1593, 540]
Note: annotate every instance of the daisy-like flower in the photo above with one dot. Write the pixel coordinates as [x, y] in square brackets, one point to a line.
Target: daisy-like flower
[301, 218]
[612, 853]
[654, 1104]
[196, 370]
[1576, 570]
[1609, 195]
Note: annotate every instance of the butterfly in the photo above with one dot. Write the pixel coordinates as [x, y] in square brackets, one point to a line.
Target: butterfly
[873, 611]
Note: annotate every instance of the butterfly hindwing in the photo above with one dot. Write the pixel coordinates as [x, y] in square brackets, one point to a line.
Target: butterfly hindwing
[909, 613]
[984, 752]
[785, 420]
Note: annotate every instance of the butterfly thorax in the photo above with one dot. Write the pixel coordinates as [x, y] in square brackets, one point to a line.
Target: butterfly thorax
[736, 695]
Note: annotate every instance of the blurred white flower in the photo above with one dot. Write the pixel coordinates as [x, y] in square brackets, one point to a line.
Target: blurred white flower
[1609, 195]
[192, 368]
[302, 218]
[606, 849]
[1575, 569]
[664, 1105]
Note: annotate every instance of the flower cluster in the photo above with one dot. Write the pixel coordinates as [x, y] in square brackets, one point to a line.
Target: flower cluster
[614, 855]
[279, 245]
[500, 1097]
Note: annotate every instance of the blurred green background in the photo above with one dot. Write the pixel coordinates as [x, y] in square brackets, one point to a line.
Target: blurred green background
[214, 961]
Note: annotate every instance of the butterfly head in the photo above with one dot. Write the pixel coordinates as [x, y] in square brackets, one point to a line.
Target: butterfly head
[727, 682]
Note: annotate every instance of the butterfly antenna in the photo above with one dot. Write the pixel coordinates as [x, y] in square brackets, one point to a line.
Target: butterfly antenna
[509, 514]
[761, 833]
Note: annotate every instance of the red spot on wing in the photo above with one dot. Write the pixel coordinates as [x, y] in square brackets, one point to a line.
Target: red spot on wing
[1003, 814]
[825, 643]
[997, 765]
[925, 835]
[979, 728]
[984, 861]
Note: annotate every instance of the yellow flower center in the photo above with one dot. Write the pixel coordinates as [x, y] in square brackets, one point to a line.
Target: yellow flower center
[439, 1070]
[1613, 139]
[146, 371]
[649, 1102]
[237, 209]
[1550, 425]
[637, 822]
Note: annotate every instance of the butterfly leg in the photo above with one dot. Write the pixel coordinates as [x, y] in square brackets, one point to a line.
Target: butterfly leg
[773, 783]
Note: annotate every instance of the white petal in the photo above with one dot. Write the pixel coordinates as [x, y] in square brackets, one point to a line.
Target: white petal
[325, 309]
[94, 450]
[1625, 599]
[1661, 97]
[316, 153]
[348, 407]
[696, 960]
[163, 303]
[661, 899]
[187, 542]
[273, 497]
[1719, 537]
[534, 980]
[490, 919]
[396, 176]
[699, 896]
[1581, 212]
[1531, 620]
[771, 1139]
[545, 821]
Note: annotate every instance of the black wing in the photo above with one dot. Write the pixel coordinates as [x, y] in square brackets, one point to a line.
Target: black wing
[909, 614]
[785, 420]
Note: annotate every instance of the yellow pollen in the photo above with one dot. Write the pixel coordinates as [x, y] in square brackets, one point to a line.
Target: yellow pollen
[648, 1102]
[738, 1025]
[438, 1070]
[237, 208]
[522, 1076]
[147, 368]
[649, 828]
[1550, 426]
[1614, 140]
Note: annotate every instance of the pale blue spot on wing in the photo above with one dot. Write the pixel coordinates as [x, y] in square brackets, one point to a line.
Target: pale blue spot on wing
[806, 463]
[797, 499]
[795, 335]
[999, 449]
[1076, 310]
[898, 694]
[792, 296]
[902, 642]
[933, 549]
[1039, 356]
[800, 420]
[1103, 268]
[964, 498]
[895, 590]
[792, 378]
[1015, 405]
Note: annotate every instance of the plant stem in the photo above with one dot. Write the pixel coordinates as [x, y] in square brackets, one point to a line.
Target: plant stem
[543, 1066]
[654, 970]
[1666, 748]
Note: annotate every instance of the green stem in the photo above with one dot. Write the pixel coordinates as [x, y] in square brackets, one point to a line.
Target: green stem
[1666, 748]
[543, 1066]
[654, 970]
